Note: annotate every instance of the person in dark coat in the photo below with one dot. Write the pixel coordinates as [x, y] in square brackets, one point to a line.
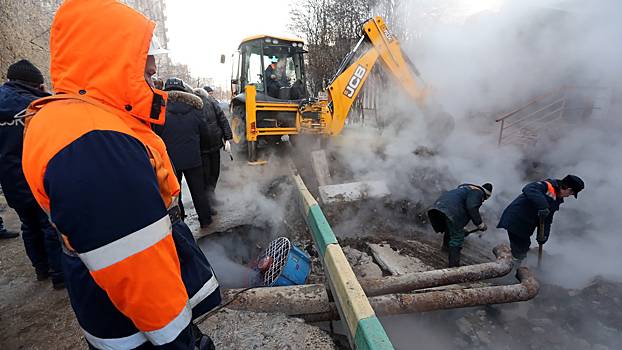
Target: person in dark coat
[220, 136]
[538, 202]
[453, 210]
[183, 133]
[41, 240]
[272, 81]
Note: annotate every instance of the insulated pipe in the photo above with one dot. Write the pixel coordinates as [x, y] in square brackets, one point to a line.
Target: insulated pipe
[290, 300]
[427, 279]
[311, 302]
[394, 304]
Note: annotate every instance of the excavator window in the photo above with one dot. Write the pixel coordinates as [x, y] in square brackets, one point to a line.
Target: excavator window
[274, 67]
[254, 73]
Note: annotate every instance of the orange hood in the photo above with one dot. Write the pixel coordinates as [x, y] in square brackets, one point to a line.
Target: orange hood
[99, 50]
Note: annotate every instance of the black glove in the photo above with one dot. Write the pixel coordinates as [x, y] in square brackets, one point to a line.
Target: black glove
[543, 213]
[541, 242]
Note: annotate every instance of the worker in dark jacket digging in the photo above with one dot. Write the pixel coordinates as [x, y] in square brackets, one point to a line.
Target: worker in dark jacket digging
[220, 136]
[538, 202]
[453, 210]
[183, 132]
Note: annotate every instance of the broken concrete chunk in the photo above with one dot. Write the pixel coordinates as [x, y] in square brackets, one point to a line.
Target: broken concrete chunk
[353, 191]
[392, 261]
[362, 264]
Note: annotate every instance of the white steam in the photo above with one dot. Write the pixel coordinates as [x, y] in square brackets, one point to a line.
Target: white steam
[494, 62]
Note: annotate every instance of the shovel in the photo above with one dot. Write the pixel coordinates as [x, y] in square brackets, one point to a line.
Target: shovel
[540, 238]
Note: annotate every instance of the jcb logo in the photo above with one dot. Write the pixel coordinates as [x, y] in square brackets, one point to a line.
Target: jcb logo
[355, 81]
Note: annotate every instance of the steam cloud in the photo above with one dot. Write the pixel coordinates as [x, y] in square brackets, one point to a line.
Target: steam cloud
[494, 62]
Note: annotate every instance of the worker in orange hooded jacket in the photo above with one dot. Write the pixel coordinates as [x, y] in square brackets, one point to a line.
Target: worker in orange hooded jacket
[135, 276]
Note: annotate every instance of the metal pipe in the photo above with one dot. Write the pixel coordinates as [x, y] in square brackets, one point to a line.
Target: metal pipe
[427, 279]
[290, 300]
[394, 304]
[311, 302]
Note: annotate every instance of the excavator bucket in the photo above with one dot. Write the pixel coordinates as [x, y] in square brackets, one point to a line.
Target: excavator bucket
[346, 192]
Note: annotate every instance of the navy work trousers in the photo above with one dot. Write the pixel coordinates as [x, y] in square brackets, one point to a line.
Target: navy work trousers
[41, 241]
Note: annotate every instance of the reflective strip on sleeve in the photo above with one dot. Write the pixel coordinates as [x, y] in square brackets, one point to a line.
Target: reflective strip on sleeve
[161, 336]
[127, 246]
[129, 342]
[208, 288]
[169, 332]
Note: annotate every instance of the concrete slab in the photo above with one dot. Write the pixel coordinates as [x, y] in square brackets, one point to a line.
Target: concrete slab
[227, 218]
[391, 260]
[353, 191]
[319, 163]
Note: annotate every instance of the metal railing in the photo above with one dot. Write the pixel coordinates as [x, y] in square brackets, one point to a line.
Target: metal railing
[521, 125]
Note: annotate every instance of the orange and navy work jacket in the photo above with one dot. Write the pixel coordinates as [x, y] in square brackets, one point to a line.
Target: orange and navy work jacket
[520, 218]
[93, 163]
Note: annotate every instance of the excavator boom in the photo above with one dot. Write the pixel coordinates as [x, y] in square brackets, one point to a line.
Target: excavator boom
[376, 44]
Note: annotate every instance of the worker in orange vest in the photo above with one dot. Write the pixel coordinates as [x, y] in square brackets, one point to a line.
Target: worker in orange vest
[135, 276]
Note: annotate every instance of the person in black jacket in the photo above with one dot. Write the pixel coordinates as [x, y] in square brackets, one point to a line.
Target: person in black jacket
[183, 132]
[538, 202]
[40, 238]
[220, 136]
[453, 210]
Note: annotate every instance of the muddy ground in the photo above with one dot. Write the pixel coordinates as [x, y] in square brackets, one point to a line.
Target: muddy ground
[262, 201]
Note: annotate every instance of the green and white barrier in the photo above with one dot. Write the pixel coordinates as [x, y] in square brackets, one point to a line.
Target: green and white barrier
[364, 328]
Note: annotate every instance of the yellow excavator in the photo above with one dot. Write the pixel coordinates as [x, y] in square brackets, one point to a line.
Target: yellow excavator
[269, 95]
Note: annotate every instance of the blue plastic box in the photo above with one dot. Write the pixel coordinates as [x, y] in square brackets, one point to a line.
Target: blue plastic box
[296, 270]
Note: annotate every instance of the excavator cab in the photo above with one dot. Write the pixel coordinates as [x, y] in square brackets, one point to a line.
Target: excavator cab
[275, 66]
[268, 85]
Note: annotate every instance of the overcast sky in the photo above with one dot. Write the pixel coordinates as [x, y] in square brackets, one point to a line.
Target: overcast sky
[200, 31]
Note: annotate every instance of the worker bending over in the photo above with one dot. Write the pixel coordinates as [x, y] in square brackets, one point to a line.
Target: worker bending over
[453, 210]
[538, 202]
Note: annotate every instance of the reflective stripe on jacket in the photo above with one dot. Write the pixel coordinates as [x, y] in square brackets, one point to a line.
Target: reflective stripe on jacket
[94, 164]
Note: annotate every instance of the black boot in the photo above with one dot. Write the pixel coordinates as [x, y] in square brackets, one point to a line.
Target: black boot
[201, 341]
[454, 256]
[6, 234]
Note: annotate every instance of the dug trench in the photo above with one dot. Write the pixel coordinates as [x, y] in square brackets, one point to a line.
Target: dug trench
[370, 230]
[33, 316]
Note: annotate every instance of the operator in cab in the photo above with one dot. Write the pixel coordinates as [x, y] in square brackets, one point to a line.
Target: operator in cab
[273, 83]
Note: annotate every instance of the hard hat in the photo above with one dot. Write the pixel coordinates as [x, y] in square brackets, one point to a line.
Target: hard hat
[155, 48]
[274, 59]
[174, 84]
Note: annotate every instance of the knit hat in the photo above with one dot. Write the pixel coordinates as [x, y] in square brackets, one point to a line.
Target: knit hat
[25, 71]
[574, 182]
[487, 189]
